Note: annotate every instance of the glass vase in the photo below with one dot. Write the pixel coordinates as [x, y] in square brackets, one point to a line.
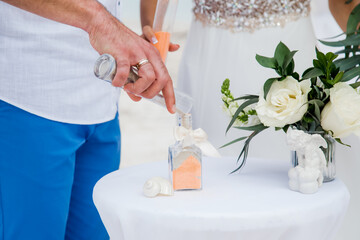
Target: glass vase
[329, 171]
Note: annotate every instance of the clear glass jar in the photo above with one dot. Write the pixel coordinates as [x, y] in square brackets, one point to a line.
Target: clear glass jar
[185, 160]
[329, 172]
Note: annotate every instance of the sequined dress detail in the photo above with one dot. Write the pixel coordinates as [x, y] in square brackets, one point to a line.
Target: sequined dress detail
[249, 15]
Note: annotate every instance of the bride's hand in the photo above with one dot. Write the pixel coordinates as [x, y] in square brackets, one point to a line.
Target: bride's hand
[149, 35]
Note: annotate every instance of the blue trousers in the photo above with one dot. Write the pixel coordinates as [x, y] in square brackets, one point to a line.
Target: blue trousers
[47, 173]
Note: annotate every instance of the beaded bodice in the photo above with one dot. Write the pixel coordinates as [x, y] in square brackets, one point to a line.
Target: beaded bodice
[249, 15]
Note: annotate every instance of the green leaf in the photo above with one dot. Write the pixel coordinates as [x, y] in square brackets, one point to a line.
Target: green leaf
[239, 110]
[353, 20]
[266, 61]
[245, 150]
[339, 141]
[355, 85]
[321, 57]
[295, 75]
[290, 68]
[247, 97]
[347, 63]
[317, 102]
[288, 58]
[338, 77]
[327, 94]
[348, 50]
[253, 128]
[314, 72]
[331, 56]
[352, 73]
[281, 52]
[267, 86]
[317, 112]
[234, 141]
[317, 90]
[350, 40]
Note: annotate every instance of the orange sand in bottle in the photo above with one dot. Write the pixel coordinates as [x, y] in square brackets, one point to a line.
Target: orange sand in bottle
[163, 43]
[188, 175]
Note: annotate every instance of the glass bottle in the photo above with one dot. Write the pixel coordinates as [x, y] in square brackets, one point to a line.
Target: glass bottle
[163, 24]
[185, 160]
[329, 171]
[105, 69]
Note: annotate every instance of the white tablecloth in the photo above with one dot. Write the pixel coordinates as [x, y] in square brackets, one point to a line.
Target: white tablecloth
[253, 205]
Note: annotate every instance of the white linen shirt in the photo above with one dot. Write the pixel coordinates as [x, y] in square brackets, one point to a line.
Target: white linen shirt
[46, 68]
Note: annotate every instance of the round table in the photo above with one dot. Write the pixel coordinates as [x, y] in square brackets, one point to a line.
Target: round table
[255, 204]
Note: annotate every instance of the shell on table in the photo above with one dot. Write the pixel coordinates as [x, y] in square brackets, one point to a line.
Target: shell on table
[158, 186]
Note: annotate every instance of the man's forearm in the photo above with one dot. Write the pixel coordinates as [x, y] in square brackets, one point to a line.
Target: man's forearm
[80, 13]
[341, 11]
[147, 12]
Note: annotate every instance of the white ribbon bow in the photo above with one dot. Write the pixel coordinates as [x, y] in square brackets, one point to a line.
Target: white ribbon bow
[197, 137]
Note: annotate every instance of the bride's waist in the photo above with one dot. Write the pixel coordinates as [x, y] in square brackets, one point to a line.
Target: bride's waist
[250, 15]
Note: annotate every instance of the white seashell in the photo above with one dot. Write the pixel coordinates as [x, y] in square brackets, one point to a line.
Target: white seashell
[158, 186]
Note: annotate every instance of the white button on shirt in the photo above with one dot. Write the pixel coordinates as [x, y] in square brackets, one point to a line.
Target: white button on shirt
[46, 68]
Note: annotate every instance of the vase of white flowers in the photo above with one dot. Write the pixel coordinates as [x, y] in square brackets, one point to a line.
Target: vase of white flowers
[320, 101]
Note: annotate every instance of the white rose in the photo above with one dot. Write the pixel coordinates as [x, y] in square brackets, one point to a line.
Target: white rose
[286, 102]
[342, 114]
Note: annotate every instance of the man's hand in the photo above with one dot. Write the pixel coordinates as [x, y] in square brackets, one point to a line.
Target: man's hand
[108, 35]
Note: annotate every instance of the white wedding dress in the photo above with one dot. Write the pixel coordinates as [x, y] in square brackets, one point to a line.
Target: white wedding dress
[222, 43]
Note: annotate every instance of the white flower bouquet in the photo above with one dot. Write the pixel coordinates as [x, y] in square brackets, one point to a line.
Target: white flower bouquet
[320, 101]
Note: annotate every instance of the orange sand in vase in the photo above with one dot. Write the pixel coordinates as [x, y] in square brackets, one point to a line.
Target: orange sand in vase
[188, 175]
[163, 43]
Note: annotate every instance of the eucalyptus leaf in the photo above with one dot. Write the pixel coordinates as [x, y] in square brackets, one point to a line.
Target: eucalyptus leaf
[314, 72]
[253, 128]
[281, 52]
[350, 40]
[317, 112]
[352, 73]
[339, 141]
[348, 63]
[295, 75]
[247, 97]
[290, 68]
[234, 141]
[353, 20]
[317, 90]
[266, 61]
[245, 150]
[348, 50]
[288, 58]
[317, 102]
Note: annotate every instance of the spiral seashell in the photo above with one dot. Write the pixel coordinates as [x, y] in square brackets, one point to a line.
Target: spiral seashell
[157, 186]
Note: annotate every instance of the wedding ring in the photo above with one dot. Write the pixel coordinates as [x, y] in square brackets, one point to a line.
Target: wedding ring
[141, 63]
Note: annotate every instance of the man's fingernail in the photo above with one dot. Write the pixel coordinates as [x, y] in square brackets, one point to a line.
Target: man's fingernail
[173, 109]
[154, 40]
